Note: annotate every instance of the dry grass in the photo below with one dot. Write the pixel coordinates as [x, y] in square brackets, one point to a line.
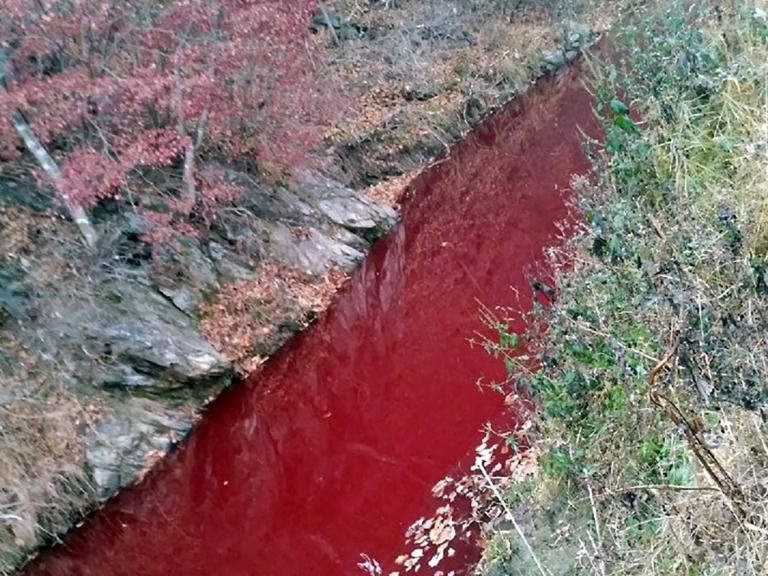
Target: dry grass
[42, 480]
[424, 73]
[41, 471]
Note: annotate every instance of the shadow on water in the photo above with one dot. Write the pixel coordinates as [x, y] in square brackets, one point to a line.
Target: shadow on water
[331, 451]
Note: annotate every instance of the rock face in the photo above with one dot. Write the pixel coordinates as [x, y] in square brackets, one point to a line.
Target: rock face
[152, 343]
[576, 37]
[123, 329]
[13, 292]
[314, 226]
[120, 446]
[344, 207]
[140, 337]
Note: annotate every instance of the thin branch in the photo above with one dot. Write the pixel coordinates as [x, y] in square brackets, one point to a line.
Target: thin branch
[671, 487]
[189, 159]
[329, 24]
[511, 518]
[594, 516]
[712, 465]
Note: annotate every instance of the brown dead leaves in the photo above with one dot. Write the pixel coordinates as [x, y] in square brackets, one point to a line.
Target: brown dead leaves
[249, 319]
[390, 191]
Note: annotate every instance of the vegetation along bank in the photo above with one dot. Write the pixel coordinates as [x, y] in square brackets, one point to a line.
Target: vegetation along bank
[650, 436]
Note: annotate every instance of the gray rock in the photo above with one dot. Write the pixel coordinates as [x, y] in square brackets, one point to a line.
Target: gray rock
[228, 265]
[185, 298]
[14, 293]
[347, 212]
[316, 252]
[26, 194]
[577, 35]
[421, 93]
[317, 224]
[554, 59]
[474, 110]
[134, 337]
[343, 206]
[117, 447]
[153, 346]
[184, 274]
[125, 376]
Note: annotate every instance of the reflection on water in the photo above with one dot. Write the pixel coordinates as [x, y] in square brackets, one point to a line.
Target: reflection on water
[333, 448]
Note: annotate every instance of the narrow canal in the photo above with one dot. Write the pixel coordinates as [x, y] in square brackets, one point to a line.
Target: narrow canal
[332, 450]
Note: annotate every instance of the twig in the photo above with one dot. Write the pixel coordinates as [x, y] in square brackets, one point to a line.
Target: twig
[716, 471]
[598, 553]
[669, 487]
[511, 518]
[594, 516]
[657, 227]
[751, 526]
[329, 24]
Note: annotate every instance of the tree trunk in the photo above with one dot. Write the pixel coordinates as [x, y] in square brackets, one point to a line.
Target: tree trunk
[189, 160]
[48, 164]
[329, 24]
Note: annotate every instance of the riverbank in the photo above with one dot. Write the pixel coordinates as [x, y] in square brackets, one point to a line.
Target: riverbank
[650, 434]
[108, 357]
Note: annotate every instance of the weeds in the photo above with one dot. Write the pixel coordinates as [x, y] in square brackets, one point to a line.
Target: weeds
[652, 391]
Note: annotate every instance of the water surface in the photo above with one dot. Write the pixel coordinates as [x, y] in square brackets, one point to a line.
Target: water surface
[331, 451]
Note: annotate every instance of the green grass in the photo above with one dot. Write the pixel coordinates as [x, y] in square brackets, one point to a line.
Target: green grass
[654, 381]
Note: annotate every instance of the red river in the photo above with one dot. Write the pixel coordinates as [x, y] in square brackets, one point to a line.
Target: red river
[332, 449]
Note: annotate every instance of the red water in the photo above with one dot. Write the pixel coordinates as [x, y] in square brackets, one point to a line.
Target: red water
[332, 449]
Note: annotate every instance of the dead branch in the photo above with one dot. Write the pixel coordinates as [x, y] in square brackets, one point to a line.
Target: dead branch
[716, 471]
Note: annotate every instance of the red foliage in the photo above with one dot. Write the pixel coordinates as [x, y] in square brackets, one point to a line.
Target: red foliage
[89, 176]
[111, 87]
[163, 229]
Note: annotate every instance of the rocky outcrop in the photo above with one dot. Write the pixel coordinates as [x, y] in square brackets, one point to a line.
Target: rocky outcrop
[122, 446]
[136, 338]
[313, 226]
[140, 336]
[123, 327]
[576, 36]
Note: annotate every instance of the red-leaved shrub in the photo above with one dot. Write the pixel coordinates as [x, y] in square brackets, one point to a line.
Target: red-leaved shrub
[114, 88]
